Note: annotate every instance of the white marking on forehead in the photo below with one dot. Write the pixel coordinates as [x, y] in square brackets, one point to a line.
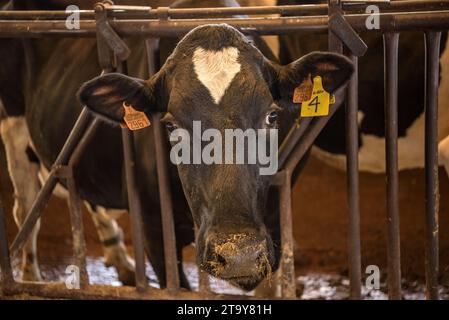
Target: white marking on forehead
[216, 69]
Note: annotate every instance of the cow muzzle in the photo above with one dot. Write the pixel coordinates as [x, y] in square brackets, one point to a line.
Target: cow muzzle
[241, 259]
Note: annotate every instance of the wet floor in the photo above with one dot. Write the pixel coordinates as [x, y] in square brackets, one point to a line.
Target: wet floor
[313, 286]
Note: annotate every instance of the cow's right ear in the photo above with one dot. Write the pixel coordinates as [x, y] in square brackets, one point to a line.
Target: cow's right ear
[106, 94]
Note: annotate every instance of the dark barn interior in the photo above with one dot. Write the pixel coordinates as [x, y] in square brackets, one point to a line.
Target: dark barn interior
[319, 213]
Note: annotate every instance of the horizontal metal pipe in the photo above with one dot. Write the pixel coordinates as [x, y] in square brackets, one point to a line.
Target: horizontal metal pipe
[99, 292]
[145, 12]
[436, 20]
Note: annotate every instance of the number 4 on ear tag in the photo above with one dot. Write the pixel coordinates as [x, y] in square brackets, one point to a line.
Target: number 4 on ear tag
[318, 105]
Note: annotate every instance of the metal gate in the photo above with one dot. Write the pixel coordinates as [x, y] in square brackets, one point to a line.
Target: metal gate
[341, 19]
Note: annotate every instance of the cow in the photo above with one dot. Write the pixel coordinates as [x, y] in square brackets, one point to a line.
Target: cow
[330, 145]
[21, 58]
[215, 75]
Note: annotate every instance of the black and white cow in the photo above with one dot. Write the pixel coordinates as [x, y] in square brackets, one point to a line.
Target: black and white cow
[26, 63]
[330, 145]
[215, 75]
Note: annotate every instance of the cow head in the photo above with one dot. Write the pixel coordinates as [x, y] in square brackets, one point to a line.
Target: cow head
[218, 78]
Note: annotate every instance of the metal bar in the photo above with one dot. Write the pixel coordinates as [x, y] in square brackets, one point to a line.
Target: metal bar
[203, 277]
[5, 263]
[309, 137]
[334, 43]
[47, 189]
[143, 12]
[433, 40]
[76, 221]
[352, 168]
[76, 217]
[168, 224]
[433, 20]
[391, 42]
[100, 292]
[135, 209]
[294, 135]
[288, 279]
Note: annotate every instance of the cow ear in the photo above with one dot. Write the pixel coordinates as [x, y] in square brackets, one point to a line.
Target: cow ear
[106, 94]
[334, 69]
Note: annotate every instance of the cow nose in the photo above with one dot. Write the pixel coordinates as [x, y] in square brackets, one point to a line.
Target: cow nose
[237, 256]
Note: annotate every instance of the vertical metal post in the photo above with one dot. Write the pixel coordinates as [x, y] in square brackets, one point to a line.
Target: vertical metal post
[203, 277]
[352, 146]
[5, 263]
[76, 215]
[431, 149]
[334, 43]
[168, 224]
[288, 281]
[76, 221]
[391, 43]
[135, 208]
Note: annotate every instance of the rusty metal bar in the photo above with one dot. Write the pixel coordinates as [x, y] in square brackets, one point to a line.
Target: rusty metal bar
[97, 292]
[168, 224]
[309, 137]
[137, 12]
[135, 208]
[433, 40]
[391, 42]
[76, 217]
[288, 279]
[203, 277]
[334, 43]
[433, 20]
[44, 194]
[5, 264]
[134, 204]
[76, 221]
[294, 135]
[352, 167]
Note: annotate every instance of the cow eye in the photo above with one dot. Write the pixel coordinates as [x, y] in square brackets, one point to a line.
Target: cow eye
[271, 118]
[170, 127]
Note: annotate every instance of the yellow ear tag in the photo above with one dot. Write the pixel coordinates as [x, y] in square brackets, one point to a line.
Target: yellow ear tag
[135, 120]
[318, 105]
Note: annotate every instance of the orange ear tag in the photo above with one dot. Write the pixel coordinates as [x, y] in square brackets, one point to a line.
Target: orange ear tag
[304, 91]
[135, 120]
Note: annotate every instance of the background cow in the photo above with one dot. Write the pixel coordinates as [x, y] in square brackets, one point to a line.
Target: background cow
[230, 213]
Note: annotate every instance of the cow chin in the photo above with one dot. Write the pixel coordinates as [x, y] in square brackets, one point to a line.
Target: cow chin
[246, 283]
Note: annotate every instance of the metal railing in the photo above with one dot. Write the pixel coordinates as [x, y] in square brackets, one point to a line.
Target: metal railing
[341, 20]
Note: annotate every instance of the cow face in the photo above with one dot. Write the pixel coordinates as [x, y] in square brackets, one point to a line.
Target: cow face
[216, 81]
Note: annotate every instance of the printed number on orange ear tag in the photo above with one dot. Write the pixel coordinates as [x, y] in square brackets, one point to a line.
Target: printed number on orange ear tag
[135, 120]
[318, 104]
[304, 91]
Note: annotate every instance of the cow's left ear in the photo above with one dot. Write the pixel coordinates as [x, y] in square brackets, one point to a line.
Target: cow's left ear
[106, 94]
[334, 69]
